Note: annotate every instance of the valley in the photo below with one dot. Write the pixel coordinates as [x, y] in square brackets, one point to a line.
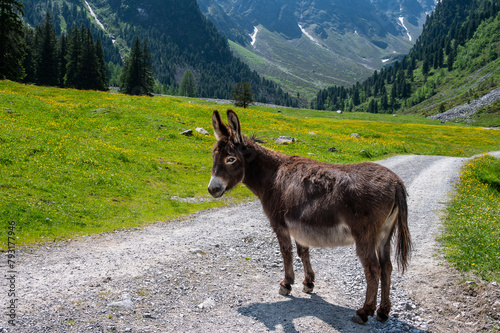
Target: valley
[323, 43]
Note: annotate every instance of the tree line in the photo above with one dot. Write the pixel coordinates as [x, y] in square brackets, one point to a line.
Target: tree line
[447, 29]
[72, 60]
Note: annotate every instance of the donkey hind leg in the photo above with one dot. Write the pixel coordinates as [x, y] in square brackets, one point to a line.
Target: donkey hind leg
[303, 252]
[385, 280]
[286, 248]
[372, 273]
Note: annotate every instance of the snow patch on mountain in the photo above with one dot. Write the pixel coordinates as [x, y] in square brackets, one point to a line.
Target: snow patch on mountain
[254, 35]
[401, 20]
[314, 40]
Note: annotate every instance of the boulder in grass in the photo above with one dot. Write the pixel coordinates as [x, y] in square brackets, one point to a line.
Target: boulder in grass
[188, 132]
[285, 140]
[202, 131]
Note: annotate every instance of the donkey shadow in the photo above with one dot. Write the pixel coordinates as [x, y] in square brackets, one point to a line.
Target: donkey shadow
[283, 314]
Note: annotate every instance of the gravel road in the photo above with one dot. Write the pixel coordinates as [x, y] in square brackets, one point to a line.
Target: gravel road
[219, 271]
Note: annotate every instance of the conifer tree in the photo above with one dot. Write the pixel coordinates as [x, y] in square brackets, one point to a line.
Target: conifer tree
[73, 66]
[29, 59]
[243, 94]
[148, 80]
[12, 48]
[137, 74]
[372, 106]
[188, 84]
[47, 68]
[131, 76]
[450, 61]
[384, 101]
[89, 73]
[355, 97]
[102, 79]
[63, 51]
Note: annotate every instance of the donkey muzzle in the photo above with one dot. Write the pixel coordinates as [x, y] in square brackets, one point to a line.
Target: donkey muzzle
[216, 187]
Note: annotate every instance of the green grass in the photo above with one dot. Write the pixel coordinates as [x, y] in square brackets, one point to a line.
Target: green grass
[472, 227]
[81, 162]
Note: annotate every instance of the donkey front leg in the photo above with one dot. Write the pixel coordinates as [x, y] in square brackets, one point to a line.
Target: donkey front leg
[287, 253]
[303, 252]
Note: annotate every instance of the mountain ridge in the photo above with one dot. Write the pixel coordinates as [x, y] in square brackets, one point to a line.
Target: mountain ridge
[356, 37]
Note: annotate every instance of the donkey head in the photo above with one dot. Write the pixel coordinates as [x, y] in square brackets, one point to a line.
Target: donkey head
[228, 155]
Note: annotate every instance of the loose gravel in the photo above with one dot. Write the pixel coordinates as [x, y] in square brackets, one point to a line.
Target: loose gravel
[219, 271]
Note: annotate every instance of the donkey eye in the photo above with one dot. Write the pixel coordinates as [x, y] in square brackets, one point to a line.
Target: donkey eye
[230, 160]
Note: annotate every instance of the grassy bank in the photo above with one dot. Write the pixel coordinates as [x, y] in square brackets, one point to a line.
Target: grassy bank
[80, 162]
[472, 228]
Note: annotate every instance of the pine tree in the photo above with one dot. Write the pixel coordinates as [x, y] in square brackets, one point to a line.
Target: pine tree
[372, 106]
[12, 48]
[188, 84]
[29, 64]
[73, 66]
[148, 80]
[450, 61]
[355, 96]
[137, 73]
[47, 68]
[425, 67]
[63, 51]
[90, 72]
[102, 79]
[394, 94]
[384, 101]
[243, 94]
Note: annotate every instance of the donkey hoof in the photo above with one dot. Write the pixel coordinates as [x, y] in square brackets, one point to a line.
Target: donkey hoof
[382, 317]
[308, 288]
[285, 290]
[358, 320]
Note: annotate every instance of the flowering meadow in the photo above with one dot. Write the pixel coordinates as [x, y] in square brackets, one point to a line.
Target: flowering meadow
[472, 235]
[80, 162]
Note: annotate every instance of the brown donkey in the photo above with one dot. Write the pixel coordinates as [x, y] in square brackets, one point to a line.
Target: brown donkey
[319, 205]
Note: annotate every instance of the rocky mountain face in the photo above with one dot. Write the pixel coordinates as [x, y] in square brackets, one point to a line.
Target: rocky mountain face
[311, 43]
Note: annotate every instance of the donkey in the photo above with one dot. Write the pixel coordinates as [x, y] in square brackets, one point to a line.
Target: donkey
[319, 205]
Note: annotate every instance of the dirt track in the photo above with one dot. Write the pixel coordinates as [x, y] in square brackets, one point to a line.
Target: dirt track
[219, 271]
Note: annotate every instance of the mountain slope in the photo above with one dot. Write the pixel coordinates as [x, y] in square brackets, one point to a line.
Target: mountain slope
[455, 60]
[179, 38]
[308, 44]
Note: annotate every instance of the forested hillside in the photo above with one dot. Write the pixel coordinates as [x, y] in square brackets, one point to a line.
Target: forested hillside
[455, 59]
[178, 35]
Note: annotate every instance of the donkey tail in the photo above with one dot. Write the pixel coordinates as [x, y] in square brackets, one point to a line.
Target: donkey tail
[404, 246]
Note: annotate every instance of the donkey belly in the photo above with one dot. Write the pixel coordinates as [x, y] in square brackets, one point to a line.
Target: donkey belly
[320, 236]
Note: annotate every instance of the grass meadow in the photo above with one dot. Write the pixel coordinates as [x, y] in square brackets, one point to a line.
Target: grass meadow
[82, 162]
[472, 228]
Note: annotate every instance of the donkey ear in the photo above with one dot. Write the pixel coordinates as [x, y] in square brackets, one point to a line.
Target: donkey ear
[220, 130]
[234, 124]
